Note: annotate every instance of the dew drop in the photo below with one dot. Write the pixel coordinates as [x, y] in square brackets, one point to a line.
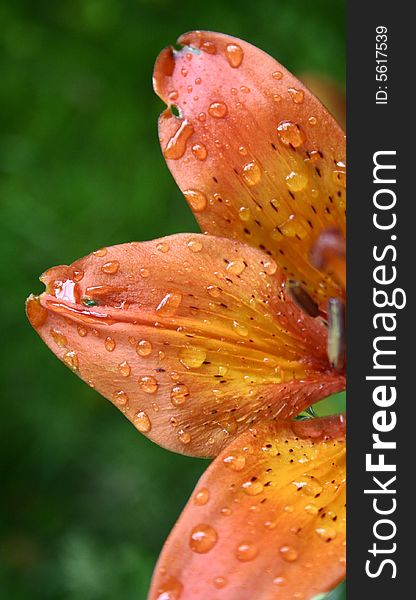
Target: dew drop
[309, 486]
[163, 247]
[124, 368]
[179, 394]
[208, 47]
[253, 488]
[195, 245]
[143, 348]
[290, 134]
[240, 329]
[171, 589]
[312, 121]
[101, 252]
[246, 552]
[277, 75]
[311, 509]
[78, 275]
[339, 175]
[270, 267]
[244, 213]
[82, 331]
[110, 267]
[251, 173]
[142, 422]
[184, 436]
[236, 266]
[220, 582]
[192, 357]
[201, 496]
[148, 384]
[120, 398]
[59, 338]
[197, 200]
[288, 553]
[296, 182]
[71, 360]
[279, 580]
[326, 533]
[234, 54]
[169, 304]
[218, 110]
[176, 146]
[296, 95]
[199, 151]
[109, 344]
[214, 291]
[235, 461]
[203, 538]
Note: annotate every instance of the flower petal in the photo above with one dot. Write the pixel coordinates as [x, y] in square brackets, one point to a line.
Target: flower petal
[266, 520]
[192, 337]
[256, 155]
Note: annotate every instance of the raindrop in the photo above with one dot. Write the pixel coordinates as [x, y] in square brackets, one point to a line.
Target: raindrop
[296, 182]
[197, 200]
[101, 252]
[253, 488]
[296, 95]
[234, 54]
[120, 398]
[199, 151]
[277, 75]
[179, 394]
[71, 360]
[288, 553]
[213, 291]
[148, 384]
[144, 273]
[244, 213]
[163, 247]
[143, 348]
[240, 329]
[312, 121]
[82, 331]
[184, 436]
[192, 357]
[236, 266]
[78, 275]
[195, 245]
[109, 344]
[124, 368]
[326, 533]
[169, 304]
[201, 496]
[246, 551]
[291, 134]
[110, 267]
[235, 461]
[339, 175]
[203, 538]
[251, 173]
[218, 110]
[176, 146]
[142, 422]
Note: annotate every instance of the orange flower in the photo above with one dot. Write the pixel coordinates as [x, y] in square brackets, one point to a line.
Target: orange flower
[210, 346]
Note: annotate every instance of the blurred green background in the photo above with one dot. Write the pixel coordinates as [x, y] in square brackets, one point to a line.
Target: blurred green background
[86, 501]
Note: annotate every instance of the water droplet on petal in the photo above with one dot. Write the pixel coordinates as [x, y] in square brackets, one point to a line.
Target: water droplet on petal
[240, 329]
[312, 121]
[101, 252]
[311, 509]
[109, 344]
[124, 368]
[179, 394]
[270, 267]
[339, 175]
[110, 267]
[213, 291]
[201, 497]
[195, 245]
[82, 331]
[176, 146]
[326, 533]
[203, 538]
[277, 75]
[244, 213]
[296, 182]
[246, 551]
[296, 95]
[199, 151]
[236, 266]
[253, 488]
[288, 553]
[208, 47]
[143, 348]
[78, 275]
[184, 436]
[59, 338]
[148, 384]
[71, 360]
[279, 580]
[142, 422]
[197, 200]
[234, 54]
[235, 461]
[169, 304]
[220, 582]
[218, 109]
[120, 398]
[171, 589]
[309, 486]
[144, 273]
[192, 357]
[251, 173]
[291, 134]
[163, 247]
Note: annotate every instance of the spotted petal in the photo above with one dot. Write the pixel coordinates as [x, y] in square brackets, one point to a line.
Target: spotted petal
[266, 520]
[192, 337]
[256, 155]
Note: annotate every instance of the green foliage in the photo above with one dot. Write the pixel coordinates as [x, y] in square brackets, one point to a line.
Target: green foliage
[86, 501]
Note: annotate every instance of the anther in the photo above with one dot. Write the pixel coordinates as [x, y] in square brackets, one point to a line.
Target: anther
[301, 298]
[336, 333]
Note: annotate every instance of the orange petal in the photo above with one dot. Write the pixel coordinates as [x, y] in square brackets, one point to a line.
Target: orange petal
[266, 520]
[190, 336]
[256, 155]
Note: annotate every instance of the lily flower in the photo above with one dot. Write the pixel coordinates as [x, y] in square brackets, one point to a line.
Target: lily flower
[211, 344]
